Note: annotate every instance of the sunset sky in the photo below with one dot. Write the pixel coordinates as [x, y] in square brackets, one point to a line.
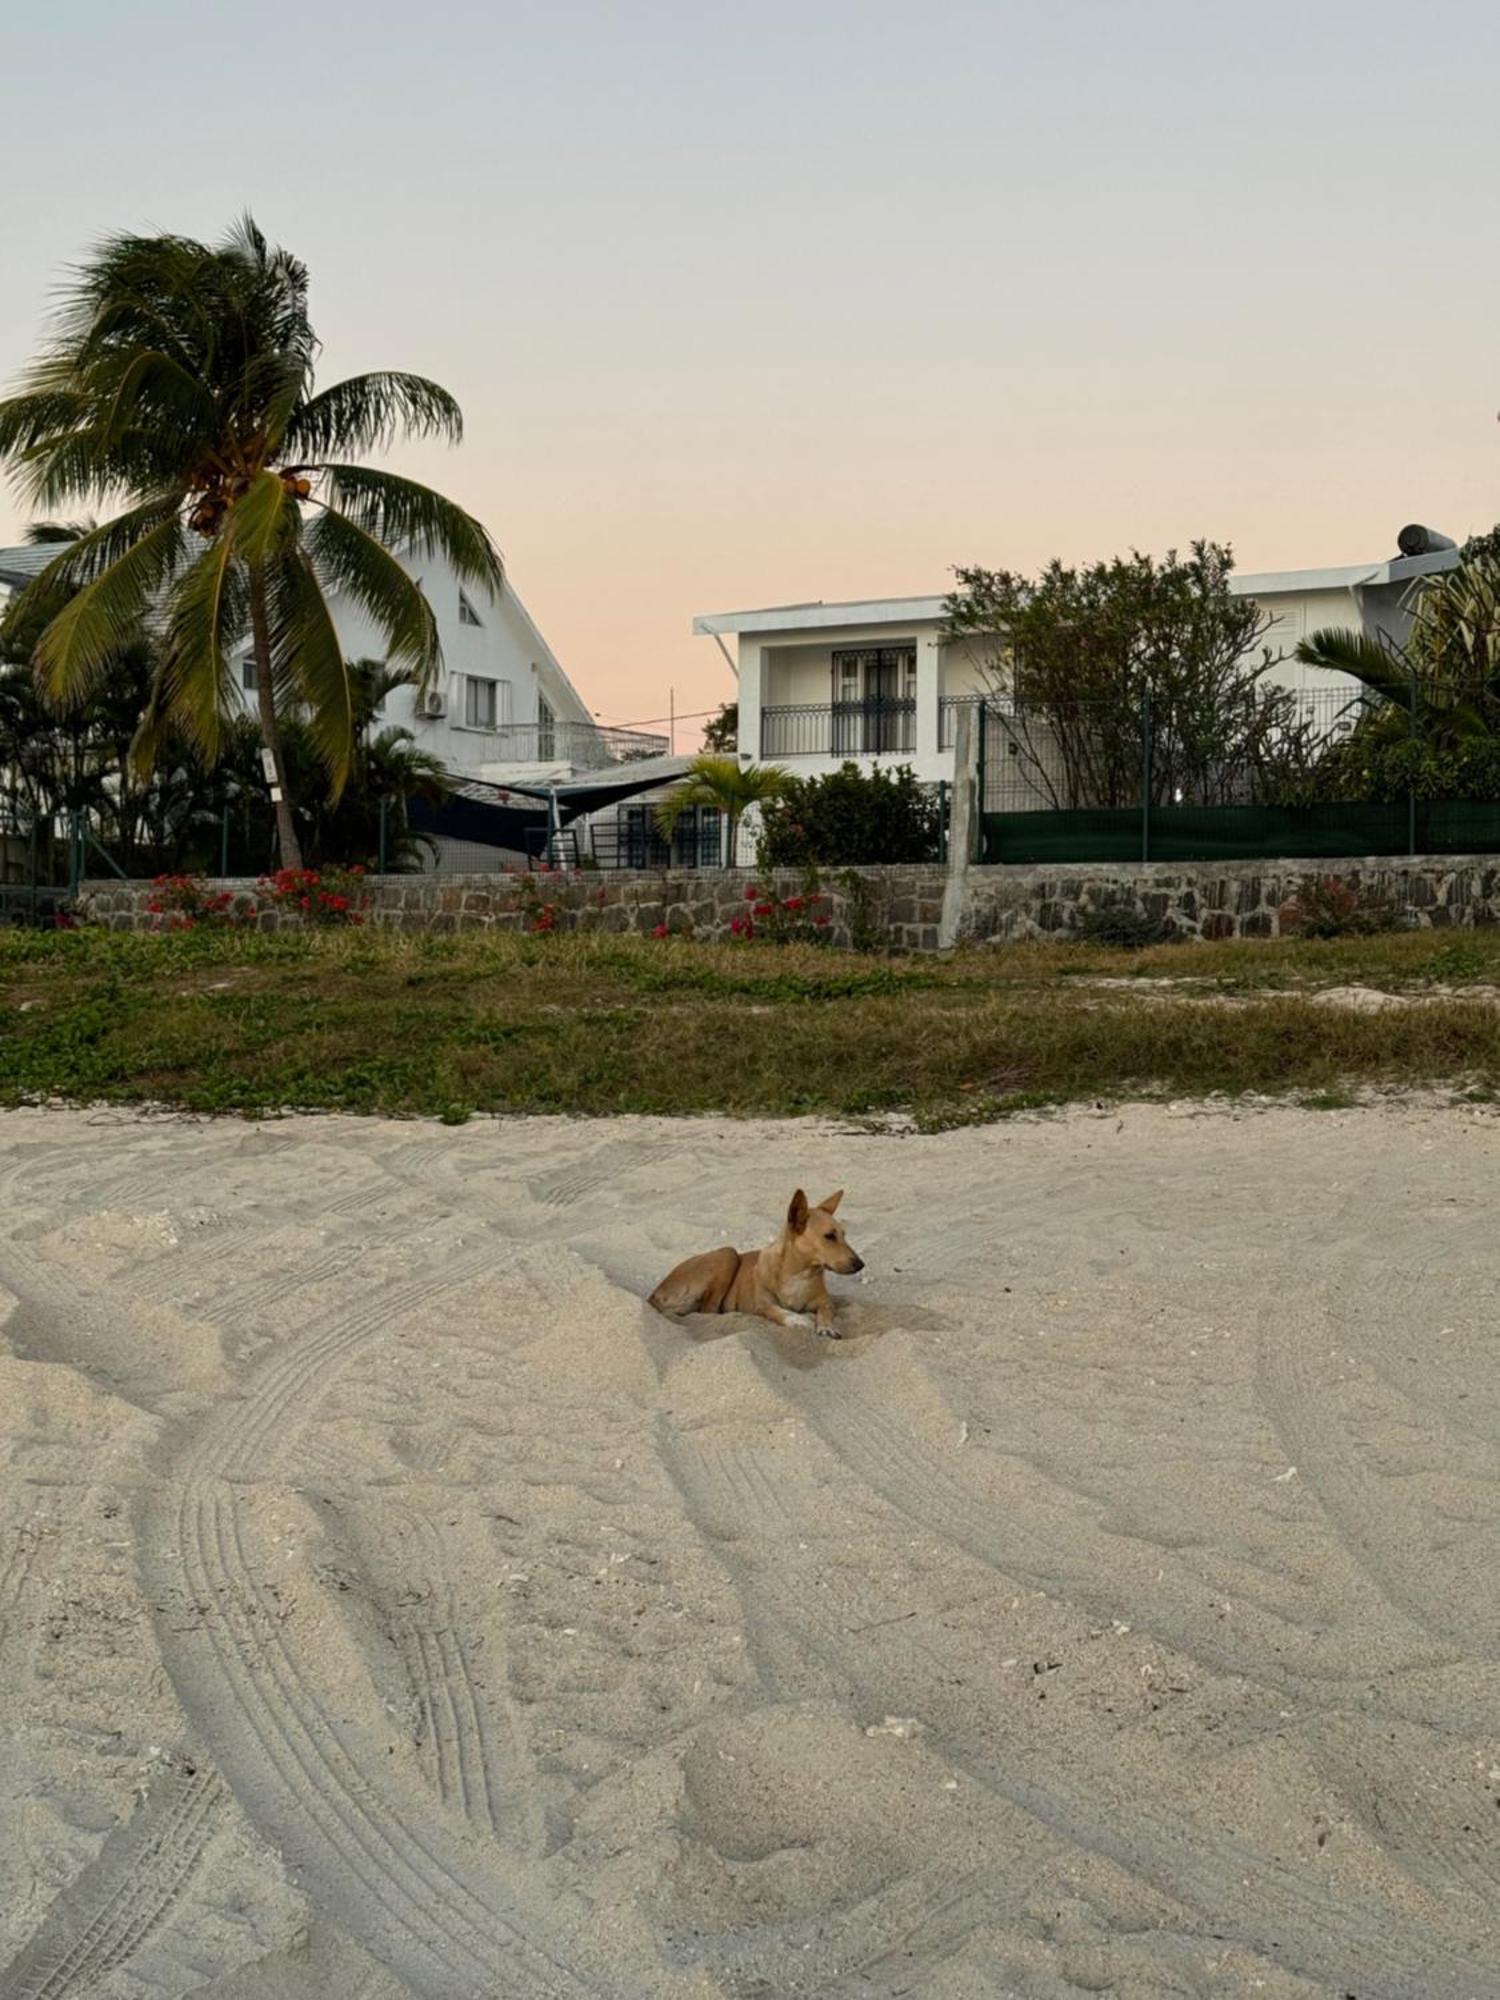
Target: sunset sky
[756, 304]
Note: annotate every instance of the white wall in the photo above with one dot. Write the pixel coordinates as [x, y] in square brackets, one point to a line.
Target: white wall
[505, 647]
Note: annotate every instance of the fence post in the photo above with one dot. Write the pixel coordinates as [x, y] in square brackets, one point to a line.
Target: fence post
[384, 810]
[224, 842]
[1146, 776]
[1411, 778]
[75, 854]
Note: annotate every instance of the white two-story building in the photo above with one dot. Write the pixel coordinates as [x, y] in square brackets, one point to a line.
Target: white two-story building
[876, 680]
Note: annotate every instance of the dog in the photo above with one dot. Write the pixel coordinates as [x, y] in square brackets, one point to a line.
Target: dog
[780, 1283]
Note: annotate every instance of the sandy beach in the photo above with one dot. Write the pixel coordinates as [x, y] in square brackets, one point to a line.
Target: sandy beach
[392, 1605]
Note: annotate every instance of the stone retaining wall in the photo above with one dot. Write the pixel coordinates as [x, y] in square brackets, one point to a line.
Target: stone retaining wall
[1219, 899]
[899, 907]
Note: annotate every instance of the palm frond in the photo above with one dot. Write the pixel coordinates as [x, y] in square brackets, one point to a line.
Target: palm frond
[261, 524]
[105, 613]
[194, 687]
[402, 514]
[368, 412]
[1342, 651]
[309, 665]
[723, 785]
[347, 557]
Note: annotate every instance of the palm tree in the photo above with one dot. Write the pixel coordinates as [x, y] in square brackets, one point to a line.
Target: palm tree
[181, 376]
[723, 785]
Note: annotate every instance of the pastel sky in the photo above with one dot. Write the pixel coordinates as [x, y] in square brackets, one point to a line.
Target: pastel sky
[816, 298]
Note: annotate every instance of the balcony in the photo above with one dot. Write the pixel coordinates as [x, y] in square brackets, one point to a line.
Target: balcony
[584, 746]
[884, 727]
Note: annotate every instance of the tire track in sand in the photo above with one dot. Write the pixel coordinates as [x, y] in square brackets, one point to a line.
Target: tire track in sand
[394, 1870]
[1373, 1516]
[1347, 1940]
[123, 1896]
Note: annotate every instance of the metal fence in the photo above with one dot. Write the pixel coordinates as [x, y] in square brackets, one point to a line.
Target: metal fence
[1284, 772]
[584, 745]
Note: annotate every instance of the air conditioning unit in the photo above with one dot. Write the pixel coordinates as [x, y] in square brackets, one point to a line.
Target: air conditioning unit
[434, 703]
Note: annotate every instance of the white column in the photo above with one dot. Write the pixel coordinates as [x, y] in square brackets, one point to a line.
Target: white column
[752, 660]
[929, 687]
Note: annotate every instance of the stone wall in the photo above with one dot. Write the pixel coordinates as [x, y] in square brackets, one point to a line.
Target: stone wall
[900, 907]
[1219, 899]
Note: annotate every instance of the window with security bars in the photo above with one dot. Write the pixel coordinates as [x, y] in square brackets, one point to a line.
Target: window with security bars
[874, 700]
[697, 839]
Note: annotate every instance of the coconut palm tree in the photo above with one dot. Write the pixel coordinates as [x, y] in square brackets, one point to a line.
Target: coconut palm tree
[180, 376]
[723, 785]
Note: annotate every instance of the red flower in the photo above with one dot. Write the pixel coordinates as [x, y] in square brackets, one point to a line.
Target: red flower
[751, 895]
[792, 903]
[765, 910]
[823, 923]
[660, 931]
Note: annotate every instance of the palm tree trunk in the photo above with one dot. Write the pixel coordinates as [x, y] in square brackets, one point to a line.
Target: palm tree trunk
[288, 848]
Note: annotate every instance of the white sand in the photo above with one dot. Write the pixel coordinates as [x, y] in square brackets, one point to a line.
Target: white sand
[391, 1605]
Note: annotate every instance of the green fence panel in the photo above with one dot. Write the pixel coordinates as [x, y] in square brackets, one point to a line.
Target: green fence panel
[1240, 833]
[1458, 826]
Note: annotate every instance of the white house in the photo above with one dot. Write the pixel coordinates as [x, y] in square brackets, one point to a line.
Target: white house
[874, 680]
[501, 705]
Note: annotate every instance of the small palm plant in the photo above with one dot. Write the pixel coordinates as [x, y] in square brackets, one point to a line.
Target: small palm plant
[723, 785]
[181, 377]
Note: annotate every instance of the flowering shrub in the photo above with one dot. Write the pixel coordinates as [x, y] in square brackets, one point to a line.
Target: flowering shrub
[183, 902]
[1325, 907]
[777, 919]
[327, 896]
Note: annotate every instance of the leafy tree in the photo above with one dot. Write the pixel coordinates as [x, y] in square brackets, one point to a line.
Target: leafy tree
[1074, 654]
[181, 376]
[723, 785]
[721, 733]
[850, 817]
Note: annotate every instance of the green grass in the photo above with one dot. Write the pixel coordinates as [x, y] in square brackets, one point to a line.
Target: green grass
[373, 1021]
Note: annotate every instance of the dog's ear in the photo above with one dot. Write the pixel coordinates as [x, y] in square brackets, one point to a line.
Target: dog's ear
[831, 1201]
[796, 1215]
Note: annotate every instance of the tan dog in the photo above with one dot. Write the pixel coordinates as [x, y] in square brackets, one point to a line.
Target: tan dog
[780, 1283]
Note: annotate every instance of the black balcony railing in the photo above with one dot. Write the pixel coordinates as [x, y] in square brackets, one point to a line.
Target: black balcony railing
[881, 728]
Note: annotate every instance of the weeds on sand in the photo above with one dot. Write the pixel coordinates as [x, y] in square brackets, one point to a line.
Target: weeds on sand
[371, 1021]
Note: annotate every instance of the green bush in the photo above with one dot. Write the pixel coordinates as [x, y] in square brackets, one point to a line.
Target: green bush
[851, 818]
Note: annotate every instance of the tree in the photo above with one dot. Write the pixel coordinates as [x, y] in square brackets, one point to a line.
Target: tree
[181, 376]
[723, 785]
[1075, 654]
[721, 733]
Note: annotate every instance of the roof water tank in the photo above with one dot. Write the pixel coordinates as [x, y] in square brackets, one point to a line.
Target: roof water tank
[1419, 541]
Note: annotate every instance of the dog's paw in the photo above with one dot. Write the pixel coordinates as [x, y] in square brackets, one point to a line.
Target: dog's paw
[829, 1333]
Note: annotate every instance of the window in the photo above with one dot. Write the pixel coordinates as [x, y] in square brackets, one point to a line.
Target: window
[247, 676]
[467, 615]
[481, 710]
[546, 728]
[875, 699]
